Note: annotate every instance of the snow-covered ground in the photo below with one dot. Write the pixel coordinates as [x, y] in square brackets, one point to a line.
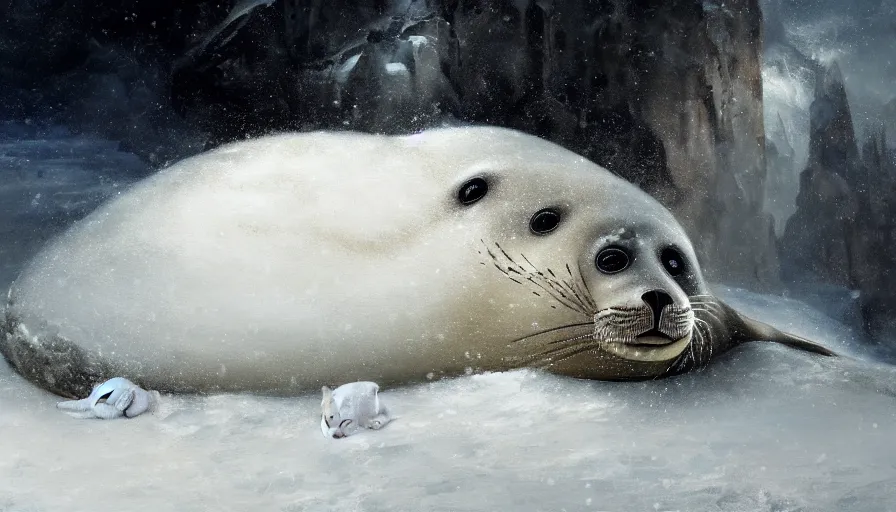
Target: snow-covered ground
[764, 428]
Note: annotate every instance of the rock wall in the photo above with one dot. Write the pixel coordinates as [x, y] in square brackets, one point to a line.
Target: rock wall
[665, 94]
[782, 185]
[843, 231]
[789, 78]
[704, 100]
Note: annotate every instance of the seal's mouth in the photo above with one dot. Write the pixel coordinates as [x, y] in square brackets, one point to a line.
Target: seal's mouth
[648, 348]
[653, 337]
[638, 334]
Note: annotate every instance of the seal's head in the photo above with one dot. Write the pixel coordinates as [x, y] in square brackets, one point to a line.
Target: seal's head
[612, 283]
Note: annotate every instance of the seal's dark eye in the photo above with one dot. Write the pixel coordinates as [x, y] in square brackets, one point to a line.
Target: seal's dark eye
[673, 261]
[472, 191]
[612, 260]
[544, 221]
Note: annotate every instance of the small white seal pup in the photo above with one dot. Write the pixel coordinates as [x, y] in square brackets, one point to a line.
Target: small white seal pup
[278, 264]
[350, 408]
[115, 398]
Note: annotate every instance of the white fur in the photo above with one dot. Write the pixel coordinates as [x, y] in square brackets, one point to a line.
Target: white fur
[279, 263]
[350, 408]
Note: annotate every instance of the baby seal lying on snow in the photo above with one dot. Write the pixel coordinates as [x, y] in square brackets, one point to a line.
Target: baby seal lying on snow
[458, 249]
[115, 398]
[350, 408]
[344, 410]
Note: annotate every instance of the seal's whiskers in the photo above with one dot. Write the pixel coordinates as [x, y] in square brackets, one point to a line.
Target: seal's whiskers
[676, 321]
[705, 341]
[556, 350]
[622, 325]
[711, 308]
[566, 292]
[553, 282]
[584, 327]
[562, 354]
[709, 314]
[585, 293]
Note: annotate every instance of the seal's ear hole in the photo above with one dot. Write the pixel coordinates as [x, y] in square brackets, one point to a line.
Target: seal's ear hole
[471, 191]
[673, 261]
[612, 260]
[544, 221]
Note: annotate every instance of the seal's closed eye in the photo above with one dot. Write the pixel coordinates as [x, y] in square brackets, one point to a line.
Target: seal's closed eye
[612, 260]
[544, 221]
[472, 191]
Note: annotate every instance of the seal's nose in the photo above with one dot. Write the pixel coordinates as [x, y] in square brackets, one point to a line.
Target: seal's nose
[657, 300]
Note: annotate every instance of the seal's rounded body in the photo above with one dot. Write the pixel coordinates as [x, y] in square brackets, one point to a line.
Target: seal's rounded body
[291, 261]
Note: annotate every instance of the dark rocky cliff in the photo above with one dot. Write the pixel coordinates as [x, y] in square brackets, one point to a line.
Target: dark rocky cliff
[666, 94]
[843, 230]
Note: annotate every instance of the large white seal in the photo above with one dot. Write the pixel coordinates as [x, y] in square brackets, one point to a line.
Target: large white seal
[291, 261]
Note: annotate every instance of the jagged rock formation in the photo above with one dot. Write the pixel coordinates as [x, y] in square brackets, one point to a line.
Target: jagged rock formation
[820, 236]
[888, 115]
[832, 139]
[782, 185]
[666, 94]
[842, 232]
[788, 78]
[878, 277]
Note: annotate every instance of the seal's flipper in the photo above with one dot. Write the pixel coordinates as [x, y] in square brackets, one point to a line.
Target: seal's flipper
[81, 405]
[744, 329]
[765, 332]
[802, 344]
[378, 422]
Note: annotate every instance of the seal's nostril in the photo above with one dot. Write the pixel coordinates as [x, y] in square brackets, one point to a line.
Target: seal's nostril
[657, 300]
